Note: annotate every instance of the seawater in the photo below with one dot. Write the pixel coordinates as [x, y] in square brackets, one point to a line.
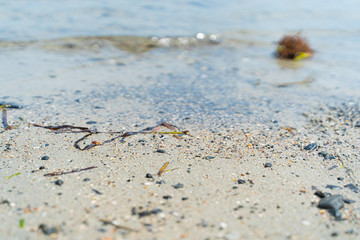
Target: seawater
[90, 51]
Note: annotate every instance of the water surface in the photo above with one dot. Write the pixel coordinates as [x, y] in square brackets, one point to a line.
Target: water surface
[103, 53]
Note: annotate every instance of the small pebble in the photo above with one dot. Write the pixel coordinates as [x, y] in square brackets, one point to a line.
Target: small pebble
[148, 213]
[340, 178]
[156, 211]
[334, 234]
[48, 230]
[167, 197]
[223, 225]
[160, 182]
[209, 157]
[348, 201]
[350, 231]
[267, 165]
[86, 179]
[320, 194]
[160, 151]
[333, 202]
[96, 191]
[333, 187]
[353, 188]
[179, 185]
[240, 181]
[59, 182]
[310, 147]
[41, 167]
[45, 158]
[184, 198]
[326, 156]
[203, 223]
[148, 175]
[91, 122]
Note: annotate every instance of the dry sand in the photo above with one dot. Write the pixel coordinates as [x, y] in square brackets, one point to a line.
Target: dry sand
[276, 202]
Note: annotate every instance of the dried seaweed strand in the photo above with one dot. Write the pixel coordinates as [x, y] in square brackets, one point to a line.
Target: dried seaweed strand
[4, 119]
[18, 173]
[70, 129]
[162, 168]
[73, 171]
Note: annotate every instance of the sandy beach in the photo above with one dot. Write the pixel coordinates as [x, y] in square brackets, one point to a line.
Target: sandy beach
[226, 182]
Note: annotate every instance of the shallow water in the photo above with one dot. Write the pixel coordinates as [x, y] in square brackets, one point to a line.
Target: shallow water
[82, 55]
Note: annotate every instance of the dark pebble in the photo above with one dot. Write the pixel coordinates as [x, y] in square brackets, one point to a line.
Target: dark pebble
[353, 188]
[41, 167]
[348, 201]
[203, 223]
[160, 151]
[326, 156]
[148, 175]
[333, 187]
[238, 207]
[209, 157]
[179, 185]
[59, 182]
[45, 158]
[320, 194]
[184, 198]
[333, 202]
[167, 197]
[5, 202]
[267, 165]
[156, 211]
[48, 230]
[329, 157]
[133, 211]
[240, 181]
[310, 147]
[148, 213]
[335, 234]
[102, 230]
[86, 179]
[350, 231]
[91, 122]
[144, 214]
[96, 191]
[160, 182]
[340, 178]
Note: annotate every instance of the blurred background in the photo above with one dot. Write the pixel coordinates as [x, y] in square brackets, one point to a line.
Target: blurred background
[184, 59]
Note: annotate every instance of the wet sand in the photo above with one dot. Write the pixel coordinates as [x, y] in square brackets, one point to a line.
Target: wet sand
[200, 198]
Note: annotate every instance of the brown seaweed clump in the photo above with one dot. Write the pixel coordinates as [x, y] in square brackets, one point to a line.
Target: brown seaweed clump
[293, 47]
